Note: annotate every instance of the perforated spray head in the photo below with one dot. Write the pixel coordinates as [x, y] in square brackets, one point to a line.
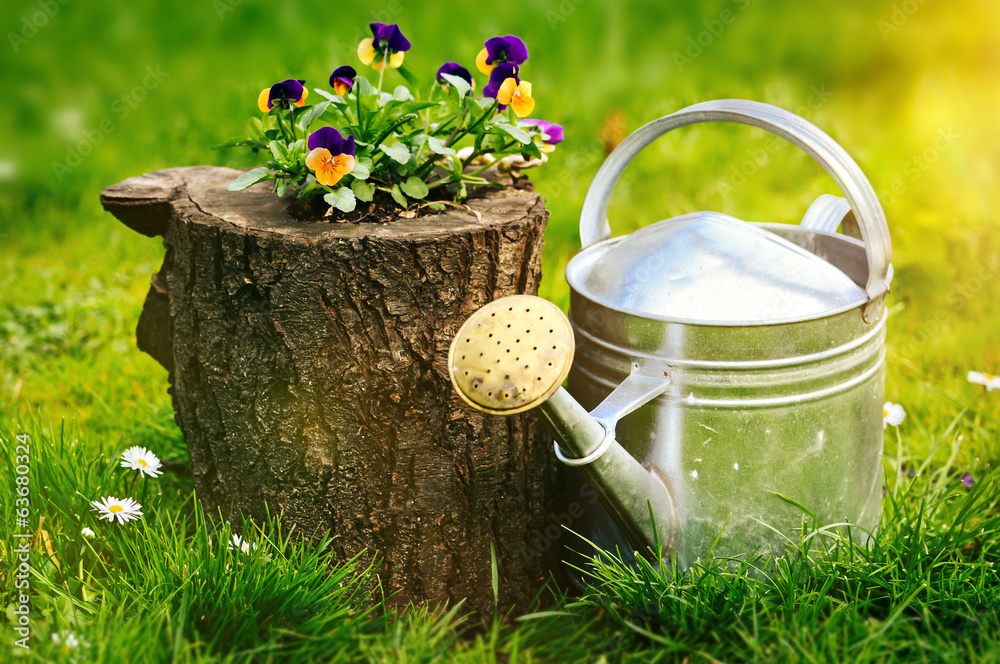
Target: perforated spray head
[511, 355]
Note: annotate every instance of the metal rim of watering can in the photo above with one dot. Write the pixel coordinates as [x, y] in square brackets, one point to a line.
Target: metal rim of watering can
[594, 225]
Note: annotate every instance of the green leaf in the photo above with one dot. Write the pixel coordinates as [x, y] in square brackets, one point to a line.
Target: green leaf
[363, 191]
[398, 196]
[402, 93]
[518, 134]
[484, 103]
[417, 106]
[384, 98]
[531, 150]
[278, 150]
[237, 141]
[495, 575]
[414, 187]
[437, 145]
[279, 187]
[364, 88]
[250, 178]
[436, 206]
[337, 100]
[398, 152]
[342, 199]
[407, 76]
[312, 115]
[460, 84]
[457, 168]
[361, 170]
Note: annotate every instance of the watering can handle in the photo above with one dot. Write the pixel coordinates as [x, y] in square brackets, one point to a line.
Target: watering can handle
[594, 226]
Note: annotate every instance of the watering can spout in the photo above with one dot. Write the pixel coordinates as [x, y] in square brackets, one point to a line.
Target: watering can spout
[636, 495]
[513, 354]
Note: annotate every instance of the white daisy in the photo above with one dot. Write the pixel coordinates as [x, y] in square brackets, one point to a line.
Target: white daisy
[111, 508]
[87, 532]
[141, 459]
[242, 544]
[989, 380]
[892, 413]
[66, 639]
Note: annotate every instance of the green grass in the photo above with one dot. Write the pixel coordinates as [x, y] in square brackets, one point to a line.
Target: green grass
[72, 282]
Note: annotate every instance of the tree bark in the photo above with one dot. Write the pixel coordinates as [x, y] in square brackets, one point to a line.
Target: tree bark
[308, 370]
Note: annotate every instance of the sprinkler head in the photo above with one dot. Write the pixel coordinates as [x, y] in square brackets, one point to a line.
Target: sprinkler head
[511, 355]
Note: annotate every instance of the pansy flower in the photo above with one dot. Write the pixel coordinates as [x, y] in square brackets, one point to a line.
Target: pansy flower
[386, 40]
[552, 133]
[455, 69]
[342, 80]
[988, 380]
[892, 413]
[287, 92]
[499, 75]
[499, 50]
[331, 156]
[507, 88]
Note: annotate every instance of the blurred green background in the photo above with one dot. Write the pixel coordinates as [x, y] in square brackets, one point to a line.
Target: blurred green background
[96, 92]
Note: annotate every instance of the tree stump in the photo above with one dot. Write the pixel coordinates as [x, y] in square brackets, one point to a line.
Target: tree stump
[307, 364]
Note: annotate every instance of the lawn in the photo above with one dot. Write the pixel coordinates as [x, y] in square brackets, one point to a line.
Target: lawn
[98, 92]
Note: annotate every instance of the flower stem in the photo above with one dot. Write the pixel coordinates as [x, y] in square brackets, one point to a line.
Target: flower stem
[385, 63]
[391, 129]
[425, 167]
[427, 111]
[465, 131]
[468, 178]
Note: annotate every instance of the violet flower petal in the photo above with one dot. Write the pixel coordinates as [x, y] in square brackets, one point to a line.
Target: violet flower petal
[551, 132]
[329, 138]
[344, 74]
[290, 89]
[454, 69]
[391, 35]
[348, 146]
[505, 49]
[500, 74]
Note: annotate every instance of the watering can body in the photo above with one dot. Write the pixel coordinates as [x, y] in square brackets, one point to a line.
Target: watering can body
[763, 424]
[725, 378]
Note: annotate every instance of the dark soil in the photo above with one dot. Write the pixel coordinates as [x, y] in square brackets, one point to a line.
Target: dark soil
[383, 209]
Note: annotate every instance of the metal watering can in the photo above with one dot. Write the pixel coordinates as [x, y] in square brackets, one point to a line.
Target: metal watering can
[725, 377]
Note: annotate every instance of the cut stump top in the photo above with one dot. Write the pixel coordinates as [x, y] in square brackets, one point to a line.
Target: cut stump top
[144, 204]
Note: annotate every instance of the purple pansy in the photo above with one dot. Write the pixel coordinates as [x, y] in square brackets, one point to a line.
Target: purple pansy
[283, 94]
[331, 139]
[500, 74]
[388, 36]
[551, 132]
[969, 481]
[505, 49]
[342, 79]
[289, 90]
[454, 69]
